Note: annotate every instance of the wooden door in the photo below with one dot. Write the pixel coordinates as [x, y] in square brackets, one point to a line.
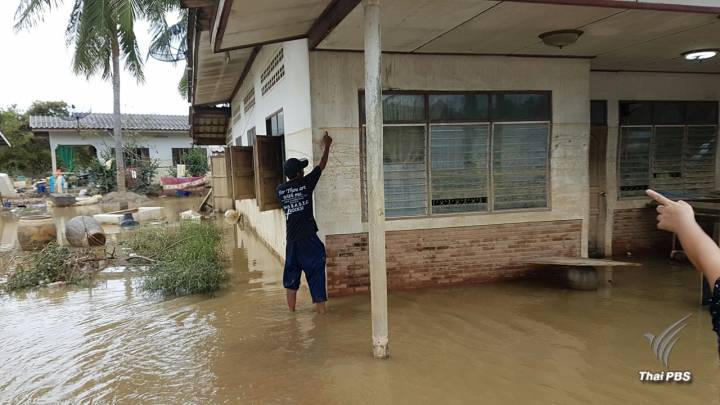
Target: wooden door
[597, 155]
[268, 160]
[221, 192]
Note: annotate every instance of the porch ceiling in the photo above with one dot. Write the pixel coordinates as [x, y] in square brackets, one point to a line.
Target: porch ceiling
[616, 38]
[249, 22]
[217, 73]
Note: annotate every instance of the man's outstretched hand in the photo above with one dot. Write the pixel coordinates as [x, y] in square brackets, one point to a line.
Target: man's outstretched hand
[673, 216]
[327, 141]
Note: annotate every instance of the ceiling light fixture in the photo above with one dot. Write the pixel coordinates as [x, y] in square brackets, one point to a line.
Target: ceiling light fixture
[700, 54]
[561, 38]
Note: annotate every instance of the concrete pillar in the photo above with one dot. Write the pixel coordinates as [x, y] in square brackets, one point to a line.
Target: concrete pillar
[53, 158]
[375, 181]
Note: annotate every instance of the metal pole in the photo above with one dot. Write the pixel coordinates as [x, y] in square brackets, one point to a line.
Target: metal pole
[375, 181]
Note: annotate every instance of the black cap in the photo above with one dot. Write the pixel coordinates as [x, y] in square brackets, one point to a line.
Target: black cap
[292, 166]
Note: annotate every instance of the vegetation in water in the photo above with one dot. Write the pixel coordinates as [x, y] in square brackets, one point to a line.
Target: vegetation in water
[195, 161]
[105, 177]
[51, 264]
[183, 259]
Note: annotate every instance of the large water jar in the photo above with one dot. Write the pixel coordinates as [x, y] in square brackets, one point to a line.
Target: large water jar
[34, 232]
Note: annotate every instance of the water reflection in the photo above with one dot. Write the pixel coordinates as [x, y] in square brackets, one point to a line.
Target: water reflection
[522, 342]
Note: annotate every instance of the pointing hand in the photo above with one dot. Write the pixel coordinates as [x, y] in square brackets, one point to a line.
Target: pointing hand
[674, 216]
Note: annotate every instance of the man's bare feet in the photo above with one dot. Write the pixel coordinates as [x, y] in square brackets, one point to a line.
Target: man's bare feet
[320, 308]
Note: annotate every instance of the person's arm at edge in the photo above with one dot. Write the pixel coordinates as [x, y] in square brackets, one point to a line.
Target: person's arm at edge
[701, 250]
[327, 141]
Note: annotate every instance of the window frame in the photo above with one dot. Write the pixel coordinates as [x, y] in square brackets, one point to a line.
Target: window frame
[181, 153]
[251, 134]
[269, 118]
[548, 168]
[652, 125]
[620, 144]
[428, 155]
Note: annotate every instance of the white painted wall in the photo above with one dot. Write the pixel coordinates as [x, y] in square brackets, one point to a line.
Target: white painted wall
[616, 86]
[705, 3]
[336, 78]
[292, 95]
[160, 143]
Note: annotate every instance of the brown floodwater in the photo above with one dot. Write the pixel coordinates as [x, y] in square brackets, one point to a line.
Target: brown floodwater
[517, 342]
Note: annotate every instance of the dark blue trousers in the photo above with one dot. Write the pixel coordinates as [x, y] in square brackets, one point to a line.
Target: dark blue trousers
[308, 255]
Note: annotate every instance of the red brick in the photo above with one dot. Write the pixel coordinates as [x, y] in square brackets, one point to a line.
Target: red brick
[432, 257]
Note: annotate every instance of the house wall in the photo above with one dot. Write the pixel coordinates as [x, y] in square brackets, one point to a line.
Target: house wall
[336, 78]
[160, 143]
[705, 3]
[630, 225]
[292, 95]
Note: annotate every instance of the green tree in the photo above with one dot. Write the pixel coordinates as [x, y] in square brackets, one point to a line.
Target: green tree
[51, 108]
[103, 33]
[29, 154]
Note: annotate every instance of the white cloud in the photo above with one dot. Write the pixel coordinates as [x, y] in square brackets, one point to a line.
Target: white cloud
[36, 65]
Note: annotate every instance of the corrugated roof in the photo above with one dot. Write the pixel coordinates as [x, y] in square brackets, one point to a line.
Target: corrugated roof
[146, 122]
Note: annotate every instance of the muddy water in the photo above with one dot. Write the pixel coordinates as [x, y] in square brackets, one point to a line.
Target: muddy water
[520, 342]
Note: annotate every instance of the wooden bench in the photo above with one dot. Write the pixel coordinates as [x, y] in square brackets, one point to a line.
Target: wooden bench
[582, 279]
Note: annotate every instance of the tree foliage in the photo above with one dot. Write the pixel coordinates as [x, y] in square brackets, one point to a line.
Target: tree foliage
[49, 108]
[103, 35]
[29, 154]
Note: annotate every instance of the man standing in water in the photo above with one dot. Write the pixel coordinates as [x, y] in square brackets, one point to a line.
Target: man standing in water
[304, 251]
[678, 217]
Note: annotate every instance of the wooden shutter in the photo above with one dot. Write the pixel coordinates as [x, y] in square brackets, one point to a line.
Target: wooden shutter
[268, 153]
[243, 174]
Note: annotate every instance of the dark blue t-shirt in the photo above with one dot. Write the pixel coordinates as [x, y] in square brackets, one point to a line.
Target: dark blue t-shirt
[296, 199]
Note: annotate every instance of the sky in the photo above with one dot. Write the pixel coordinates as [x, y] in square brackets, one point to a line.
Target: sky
[36, 65]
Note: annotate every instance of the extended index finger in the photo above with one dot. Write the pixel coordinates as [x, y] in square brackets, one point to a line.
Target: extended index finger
[659, 198]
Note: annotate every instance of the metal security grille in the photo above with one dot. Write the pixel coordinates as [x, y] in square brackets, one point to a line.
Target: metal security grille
[520, 165]
[699, 158]
[634, 160]
[459, 167]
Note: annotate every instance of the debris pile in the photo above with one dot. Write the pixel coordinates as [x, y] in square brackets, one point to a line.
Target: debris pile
[130, 198]
[52, 265]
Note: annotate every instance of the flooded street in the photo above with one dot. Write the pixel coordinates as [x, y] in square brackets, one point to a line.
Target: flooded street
[519, 342]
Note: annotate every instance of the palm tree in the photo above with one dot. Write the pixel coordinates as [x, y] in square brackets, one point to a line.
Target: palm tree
[103, 33]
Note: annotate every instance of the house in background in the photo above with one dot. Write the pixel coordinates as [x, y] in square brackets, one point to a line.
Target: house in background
[165, 138]
[513, 129]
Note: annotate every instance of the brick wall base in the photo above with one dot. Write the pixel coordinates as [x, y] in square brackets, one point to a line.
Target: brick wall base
[635, 231]
[433, 257]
